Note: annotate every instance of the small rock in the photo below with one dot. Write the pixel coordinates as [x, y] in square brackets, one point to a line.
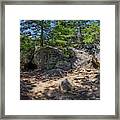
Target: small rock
[39, 94]
[88, 70]
[65, 86]
[51, 88]
[93, 80]
[79, 77]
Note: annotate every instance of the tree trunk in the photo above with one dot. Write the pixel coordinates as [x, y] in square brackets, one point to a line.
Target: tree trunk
[42, 42]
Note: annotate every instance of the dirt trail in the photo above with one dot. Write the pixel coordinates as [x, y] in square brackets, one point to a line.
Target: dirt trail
[86, 80]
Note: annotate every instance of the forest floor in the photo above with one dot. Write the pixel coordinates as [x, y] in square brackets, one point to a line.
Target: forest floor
[80, 83]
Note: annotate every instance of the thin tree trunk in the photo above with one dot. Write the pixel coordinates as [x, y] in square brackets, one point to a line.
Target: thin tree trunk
[42, 42]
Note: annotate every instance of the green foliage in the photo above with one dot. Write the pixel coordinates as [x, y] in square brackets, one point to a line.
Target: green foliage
[91, 33]
[27, 47]
[62, 33]
[59, 43]
[26, 44]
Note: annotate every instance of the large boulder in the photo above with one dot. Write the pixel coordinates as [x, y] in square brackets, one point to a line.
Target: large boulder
[47, 57]
[65, 65]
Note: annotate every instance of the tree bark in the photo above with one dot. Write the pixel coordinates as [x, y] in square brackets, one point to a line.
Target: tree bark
[42, 41]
